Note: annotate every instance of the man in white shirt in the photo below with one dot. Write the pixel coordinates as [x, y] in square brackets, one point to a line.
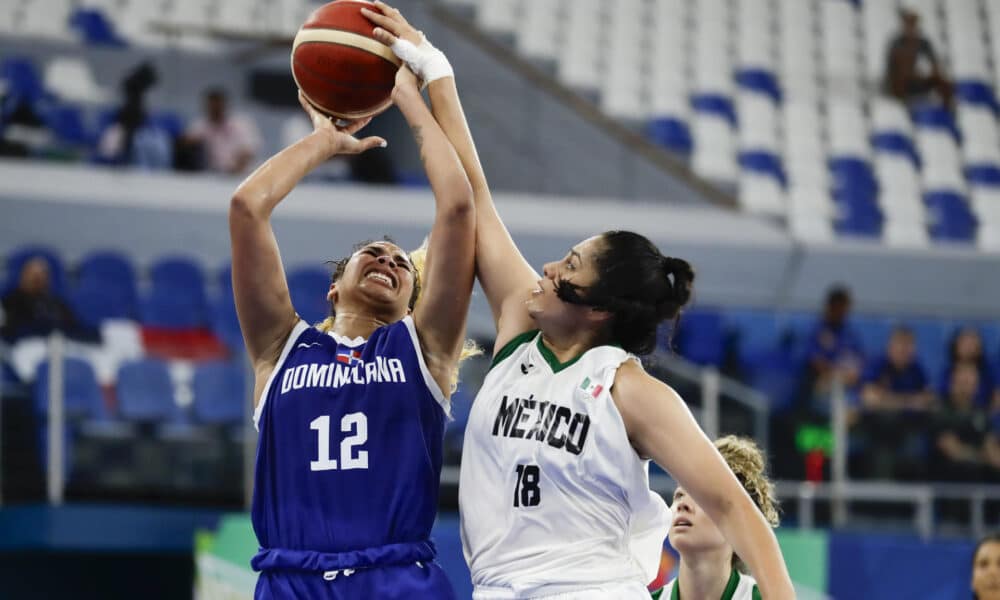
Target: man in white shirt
[229, 142]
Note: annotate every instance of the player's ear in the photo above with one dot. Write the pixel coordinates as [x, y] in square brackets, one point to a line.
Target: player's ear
[331, 294]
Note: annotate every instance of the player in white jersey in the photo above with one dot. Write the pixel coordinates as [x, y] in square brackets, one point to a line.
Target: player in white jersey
[553, 490]
[554, 484]
[709, 568]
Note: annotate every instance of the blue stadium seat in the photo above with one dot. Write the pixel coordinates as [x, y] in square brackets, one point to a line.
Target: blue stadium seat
[760, 81]
[19, 256]
[68, 125]
[219, 394]
[977, 92]
[308, 287]
[22, 78]
[776, 374]
[82, 397]
[177, 298]
[983, 175]
[224, 279]
[757, 332]
[671, 133]
[106, 277]
[168, 121]
[854, 174]
[858, 212]
[951, 217]
[94, 303]
[225, 324]
[764, 162]
[94, 28]
[715, 104]
[145, 392]
[700, 336]
[896, 142]
[936, 117]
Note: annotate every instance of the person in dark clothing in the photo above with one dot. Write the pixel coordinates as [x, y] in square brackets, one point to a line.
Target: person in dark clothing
[959, 430]
[912, 68]
[32, 308]
[895, 400]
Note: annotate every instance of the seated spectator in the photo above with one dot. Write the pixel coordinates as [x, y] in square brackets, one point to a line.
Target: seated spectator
[966, 347]
[132, 138]
[959, 430]
[991, 448]
[229, 142]
[912, 68]
[32, 309]
[895, 398]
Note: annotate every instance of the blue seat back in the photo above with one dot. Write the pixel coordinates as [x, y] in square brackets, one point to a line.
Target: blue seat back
[700, 336]
[82, 397]
[145, 392]
[219, 394]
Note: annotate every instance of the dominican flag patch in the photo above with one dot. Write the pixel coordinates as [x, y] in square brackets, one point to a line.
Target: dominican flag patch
[348, 356]
[591, 387]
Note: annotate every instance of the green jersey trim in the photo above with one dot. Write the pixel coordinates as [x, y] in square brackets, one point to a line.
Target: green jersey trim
[727, 594]
[513, 345]
[553, 360]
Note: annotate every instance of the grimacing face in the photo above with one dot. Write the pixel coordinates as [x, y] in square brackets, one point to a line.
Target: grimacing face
[379, 275]
[986, 572]
[691, 530]
[578, 267]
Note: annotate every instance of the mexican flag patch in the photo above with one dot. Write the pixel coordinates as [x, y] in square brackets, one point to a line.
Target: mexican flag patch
[591, 387]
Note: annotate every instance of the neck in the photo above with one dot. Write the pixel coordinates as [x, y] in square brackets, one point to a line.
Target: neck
[352, 325]
[704, 574]
[567, 345]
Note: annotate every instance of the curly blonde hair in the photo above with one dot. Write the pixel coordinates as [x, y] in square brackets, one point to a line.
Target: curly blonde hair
[418, 258]
[748, 463]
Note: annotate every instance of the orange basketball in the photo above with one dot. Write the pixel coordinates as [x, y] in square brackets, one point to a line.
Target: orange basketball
[340, 68]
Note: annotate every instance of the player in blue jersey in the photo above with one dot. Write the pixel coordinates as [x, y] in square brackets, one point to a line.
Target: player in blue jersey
[351, 415]
[544, 511]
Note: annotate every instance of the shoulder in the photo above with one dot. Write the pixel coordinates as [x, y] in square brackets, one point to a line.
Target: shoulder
[636, 394]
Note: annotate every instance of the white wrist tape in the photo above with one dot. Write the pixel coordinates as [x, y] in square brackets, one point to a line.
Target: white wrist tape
[427, 62]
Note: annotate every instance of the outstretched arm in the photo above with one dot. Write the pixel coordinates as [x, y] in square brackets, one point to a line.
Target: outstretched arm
[450, 264]
[661, 427]
[263, 304]
[505, 275]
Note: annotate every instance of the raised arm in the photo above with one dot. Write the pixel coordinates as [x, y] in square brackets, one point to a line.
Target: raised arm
[661, 427]
[449, 268]
[505, 275]
[263, 304]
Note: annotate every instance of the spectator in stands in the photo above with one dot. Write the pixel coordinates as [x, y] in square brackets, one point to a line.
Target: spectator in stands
[959, 430]
[985, 580]
[991, 448]
[134, 139]
[229, 142]
[32, 308]
[834, 349]
[966, 347]
[912, 68]
[895, 400]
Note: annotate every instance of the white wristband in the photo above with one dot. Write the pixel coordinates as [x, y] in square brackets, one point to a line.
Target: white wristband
[427, 62]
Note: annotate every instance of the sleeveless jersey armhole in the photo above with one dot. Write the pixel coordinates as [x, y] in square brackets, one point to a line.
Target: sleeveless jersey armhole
[513, 345]
[296, 333]
[429, 380]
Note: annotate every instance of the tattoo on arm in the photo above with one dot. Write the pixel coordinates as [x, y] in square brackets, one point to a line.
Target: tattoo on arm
[418, 136]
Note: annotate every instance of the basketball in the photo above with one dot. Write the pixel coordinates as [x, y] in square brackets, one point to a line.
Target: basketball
[340, 68]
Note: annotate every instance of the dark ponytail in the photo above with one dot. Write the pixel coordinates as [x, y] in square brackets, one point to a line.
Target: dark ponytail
[638, 285]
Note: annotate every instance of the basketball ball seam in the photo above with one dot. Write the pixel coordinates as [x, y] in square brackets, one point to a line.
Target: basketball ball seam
[337, 82]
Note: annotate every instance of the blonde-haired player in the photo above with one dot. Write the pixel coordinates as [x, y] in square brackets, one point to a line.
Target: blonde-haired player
[709, 567]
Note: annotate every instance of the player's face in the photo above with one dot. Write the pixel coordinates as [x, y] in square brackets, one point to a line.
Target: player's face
[579, 267]
[986, 572]
[379, 274]
[691, 530]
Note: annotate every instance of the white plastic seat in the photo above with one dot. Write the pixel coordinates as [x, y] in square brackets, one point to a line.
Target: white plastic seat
[72, 79]
[941, 164]
[537, 33]
[499, 16]
[811, 200]
[758, 120]
[761, 194]
[897, 176]
[880, 22]
[981, 142]
[714, 155]
[904, 234]
[808, 228]
[47, 20]
[847, 130]
[985, 202]
[889, 115]
[580, 53]
[988, 239]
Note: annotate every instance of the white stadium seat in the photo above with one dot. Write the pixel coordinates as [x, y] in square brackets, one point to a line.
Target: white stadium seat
[714, 154]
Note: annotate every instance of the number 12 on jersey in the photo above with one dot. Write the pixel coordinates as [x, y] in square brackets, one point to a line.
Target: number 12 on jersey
[354, 422]
[526, 491]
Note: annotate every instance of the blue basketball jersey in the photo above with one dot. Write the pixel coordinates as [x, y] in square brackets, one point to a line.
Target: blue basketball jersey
[349, 453]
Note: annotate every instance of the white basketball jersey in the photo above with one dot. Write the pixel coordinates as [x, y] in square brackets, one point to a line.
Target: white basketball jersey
[553, 497]
[740, 587]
